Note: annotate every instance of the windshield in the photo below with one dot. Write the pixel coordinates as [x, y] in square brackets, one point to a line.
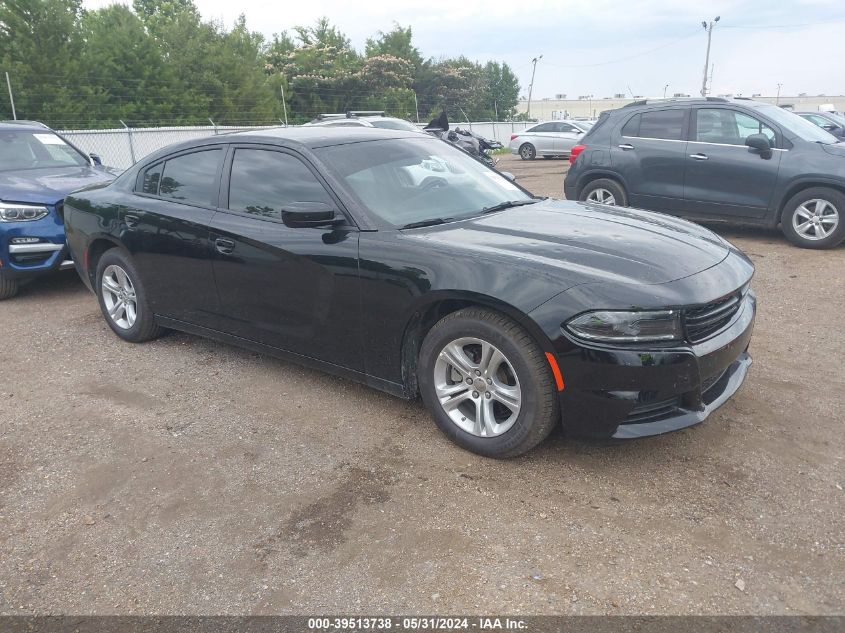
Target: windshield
[394, 124]
[409, 181]
[26, 149]
[797, 125]
[838, 118]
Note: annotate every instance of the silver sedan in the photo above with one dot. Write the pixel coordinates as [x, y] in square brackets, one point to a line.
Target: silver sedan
[553, 138]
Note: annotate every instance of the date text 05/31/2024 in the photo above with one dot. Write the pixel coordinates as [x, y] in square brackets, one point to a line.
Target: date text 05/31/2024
[428, 623]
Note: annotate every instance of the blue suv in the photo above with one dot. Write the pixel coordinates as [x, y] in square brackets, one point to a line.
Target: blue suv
[38, 168]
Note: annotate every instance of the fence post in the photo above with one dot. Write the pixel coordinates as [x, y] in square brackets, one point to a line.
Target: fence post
[131, 144]
[214, 125]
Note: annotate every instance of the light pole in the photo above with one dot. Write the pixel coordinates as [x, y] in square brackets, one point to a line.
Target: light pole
[531, 85]
[709, 30]
[664, 90]
[777, 99]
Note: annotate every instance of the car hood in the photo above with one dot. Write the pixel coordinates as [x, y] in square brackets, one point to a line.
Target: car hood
[584, 243]
[48, 186]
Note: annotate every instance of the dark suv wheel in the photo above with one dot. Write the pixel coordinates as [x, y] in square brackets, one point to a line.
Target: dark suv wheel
[122, 298]
[815, 218]
[8, 288]
[487, 383]
[604, 191]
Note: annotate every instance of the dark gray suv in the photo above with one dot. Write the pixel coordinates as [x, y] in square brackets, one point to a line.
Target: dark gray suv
[731, 160]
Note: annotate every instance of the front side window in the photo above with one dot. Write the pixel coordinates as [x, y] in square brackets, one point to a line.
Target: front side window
[192, 178]
[728, 127]
[26, 149]
[263, 181]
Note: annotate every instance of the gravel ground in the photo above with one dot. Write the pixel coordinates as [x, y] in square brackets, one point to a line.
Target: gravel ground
[184, 476]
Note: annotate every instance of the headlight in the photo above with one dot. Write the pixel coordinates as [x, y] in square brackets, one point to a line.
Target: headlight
[627, 327]
[11, 212]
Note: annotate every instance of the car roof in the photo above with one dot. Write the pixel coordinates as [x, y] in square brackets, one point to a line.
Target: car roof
[308, 137]
[31, 126]
[693, 101]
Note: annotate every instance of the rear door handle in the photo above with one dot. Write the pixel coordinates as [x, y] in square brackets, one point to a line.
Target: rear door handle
[626, 146]
[131, 221]
[698, 156]
[224, 246]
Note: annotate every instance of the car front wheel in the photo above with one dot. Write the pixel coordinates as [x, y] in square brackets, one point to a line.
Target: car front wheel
[487, 383]
[8, 288]
[123, 300]
[814, 218]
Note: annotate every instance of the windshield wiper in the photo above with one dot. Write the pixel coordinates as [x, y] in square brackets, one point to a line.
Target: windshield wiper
[421, 223]
[507, 205]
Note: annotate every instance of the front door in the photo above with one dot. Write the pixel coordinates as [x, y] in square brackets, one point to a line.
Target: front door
[292, 288]
[724, 177]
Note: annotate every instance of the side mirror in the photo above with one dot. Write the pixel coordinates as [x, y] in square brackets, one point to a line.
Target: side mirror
[829, 127]
[307, 214]
[760, 142]
[508, 175]
[96, 159]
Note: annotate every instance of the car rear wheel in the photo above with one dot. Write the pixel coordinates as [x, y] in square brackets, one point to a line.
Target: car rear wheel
[123, 300]
[604, 191]
[815, 218]
[487, 384]
[527, 151]
[8, 288]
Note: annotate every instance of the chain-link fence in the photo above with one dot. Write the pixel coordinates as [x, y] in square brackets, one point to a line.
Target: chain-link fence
[121, 147]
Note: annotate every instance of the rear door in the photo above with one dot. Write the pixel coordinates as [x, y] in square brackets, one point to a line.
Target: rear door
[724, 177]
[166, 229]
[649, 152]
[291, 288]
[543, 137]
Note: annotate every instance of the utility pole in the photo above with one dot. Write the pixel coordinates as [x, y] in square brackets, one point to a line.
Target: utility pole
[11, 98]
[709, 30]
[284, 103]
[777, 99]
[531, 85]
[664, 90]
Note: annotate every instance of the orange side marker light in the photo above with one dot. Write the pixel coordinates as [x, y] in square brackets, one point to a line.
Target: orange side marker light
[555, 371]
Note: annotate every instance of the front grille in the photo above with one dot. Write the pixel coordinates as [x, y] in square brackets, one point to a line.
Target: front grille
[704, 321]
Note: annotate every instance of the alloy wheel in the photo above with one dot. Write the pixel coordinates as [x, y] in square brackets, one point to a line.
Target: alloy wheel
[119, 297]
[815, 219]
[602, 196]
[477, 387]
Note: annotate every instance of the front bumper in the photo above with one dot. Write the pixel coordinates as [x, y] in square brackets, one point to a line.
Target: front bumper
[33, 258]
[626, 393]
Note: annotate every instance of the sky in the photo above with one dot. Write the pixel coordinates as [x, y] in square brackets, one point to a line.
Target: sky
[598, 47]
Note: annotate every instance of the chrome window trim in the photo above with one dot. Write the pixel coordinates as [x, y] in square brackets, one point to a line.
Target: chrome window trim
[40, 247]
[672, 140]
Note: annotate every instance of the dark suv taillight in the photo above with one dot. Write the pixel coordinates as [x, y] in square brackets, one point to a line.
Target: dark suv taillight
[573, 154]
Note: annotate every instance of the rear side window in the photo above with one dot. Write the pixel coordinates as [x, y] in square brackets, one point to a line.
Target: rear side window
[263, 181]
[149, 183]
[192, 178]
[543, 127]
[632, 127]
[662, 124]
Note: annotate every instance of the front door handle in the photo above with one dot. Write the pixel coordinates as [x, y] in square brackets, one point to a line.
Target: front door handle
[626, 146]
[698, 156]
[224, 246]
[131, 221]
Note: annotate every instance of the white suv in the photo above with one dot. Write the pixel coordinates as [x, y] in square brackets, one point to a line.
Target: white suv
[364, 118]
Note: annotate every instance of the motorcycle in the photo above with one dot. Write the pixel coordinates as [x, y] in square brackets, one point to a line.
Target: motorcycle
[473, 144]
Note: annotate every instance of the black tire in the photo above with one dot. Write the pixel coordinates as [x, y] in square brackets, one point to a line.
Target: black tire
[527, 151]
[617, 190]
[539, 412]
[834, 198]
[144, 328]
[8, 288]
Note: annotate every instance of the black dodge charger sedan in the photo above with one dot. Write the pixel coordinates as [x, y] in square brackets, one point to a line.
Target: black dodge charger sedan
[399, 261]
